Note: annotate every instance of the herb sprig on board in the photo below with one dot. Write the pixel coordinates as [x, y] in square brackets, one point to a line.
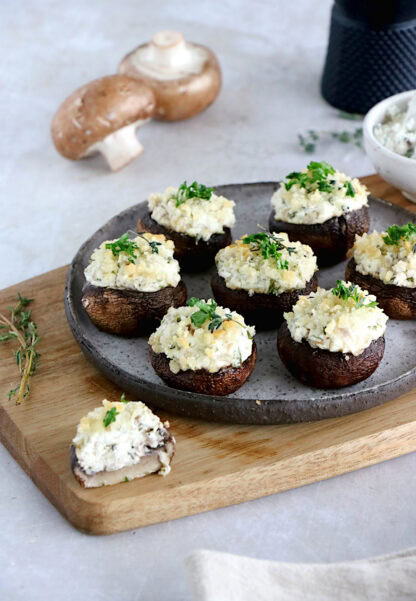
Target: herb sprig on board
[270, 246]
[345, 292]
[128, 246]
[22, 329]
[110, 416]
[207, 312]
[395, 233]
[195, 190]
[316, 177]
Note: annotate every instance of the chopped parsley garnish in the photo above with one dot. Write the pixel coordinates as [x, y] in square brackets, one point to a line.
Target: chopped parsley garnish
[123, 399]
[395, 233]
[270, 246]
[195, 190]
[128, 246]
[110, 416]
[207, 312]
[316, 177]
[346, 292]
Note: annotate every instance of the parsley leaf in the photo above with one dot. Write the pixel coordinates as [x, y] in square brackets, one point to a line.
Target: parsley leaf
[316, 177]
[396, 232]
[110, 416]
[123, 244]
[270, 246]
[346, 292]
[207, 312]
[195, 190]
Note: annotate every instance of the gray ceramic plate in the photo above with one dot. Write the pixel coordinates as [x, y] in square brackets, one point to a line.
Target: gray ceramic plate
[271, 395]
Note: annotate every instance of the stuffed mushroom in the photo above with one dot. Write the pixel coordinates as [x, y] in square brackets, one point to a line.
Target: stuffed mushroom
[333, 338]
[262, 276]
[196, 219]
[118, 442]
[323, 208]
[385, 265]
[131, 283]
[203, 348]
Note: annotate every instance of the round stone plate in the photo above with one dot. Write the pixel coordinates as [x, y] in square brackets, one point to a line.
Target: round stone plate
[271, 395]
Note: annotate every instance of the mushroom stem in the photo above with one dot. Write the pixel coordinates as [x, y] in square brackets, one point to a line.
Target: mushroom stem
[168, 49]
[120, 147]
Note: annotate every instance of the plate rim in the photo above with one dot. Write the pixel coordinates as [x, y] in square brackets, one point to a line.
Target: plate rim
[226, 409]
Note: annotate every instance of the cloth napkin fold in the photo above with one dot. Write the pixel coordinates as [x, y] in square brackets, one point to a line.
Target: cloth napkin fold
[223, 577]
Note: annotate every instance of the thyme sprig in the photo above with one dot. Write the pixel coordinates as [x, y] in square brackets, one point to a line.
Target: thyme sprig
[308, 141]
[345, 292]
[21, 328]
[395, 233]
[126, 245]
[195, 190]
[270, 245]
[317, 176]
[207, 312]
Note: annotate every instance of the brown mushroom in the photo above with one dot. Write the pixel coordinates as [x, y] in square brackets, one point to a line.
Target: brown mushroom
[330, 240]
[130, 312]
[102, 117]
[325, 369]
[225, 381]
[399, 302]
[185, 77]
[192, 254]
[265, 311]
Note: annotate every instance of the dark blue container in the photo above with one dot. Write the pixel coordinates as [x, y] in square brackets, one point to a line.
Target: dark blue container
[371, 52]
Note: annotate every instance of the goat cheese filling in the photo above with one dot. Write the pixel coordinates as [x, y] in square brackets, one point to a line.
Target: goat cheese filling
[397, 131]
[391, 263]
[149, 266]
[328, 322]
[190, 347]
[199, 218]
[244, 267]
[134, 433]
[309, 205]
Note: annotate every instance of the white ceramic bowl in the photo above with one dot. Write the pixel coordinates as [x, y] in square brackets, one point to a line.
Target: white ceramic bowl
[394, 168]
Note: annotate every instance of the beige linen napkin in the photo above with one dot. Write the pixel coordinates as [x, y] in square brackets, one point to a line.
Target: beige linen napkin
[223, 577]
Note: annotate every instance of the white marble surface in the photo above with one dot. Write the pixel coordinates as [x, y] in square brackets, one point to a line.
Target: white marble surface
[271, 53]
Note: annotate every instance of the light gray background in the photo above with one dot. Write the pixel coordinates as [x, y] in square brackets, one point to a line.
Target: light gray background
[271, 53]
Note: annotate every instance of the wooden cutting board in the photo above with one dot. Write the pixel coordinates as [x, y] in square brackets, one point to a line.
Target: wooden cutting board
[215, 464]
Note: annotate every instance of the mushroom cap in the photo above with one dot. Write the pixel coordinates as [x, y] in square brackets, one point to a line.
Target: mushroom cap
[182, 97]
[97, 109]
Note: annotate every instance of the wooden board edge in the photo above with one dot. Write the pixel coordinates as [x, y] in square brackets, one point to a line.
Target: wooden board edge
[246, 485]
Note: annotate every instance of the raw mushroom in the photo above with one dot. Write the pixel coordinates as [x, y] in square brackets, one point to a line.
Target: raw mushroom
[103, 116]
[185, 77]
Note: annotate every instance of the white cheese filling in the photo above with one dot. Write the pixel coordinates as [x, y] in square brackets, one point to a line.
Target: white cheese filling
[150, 271]
[195, 217]
[191, 347]
[328, 322]
[244, 268]
[133, 434]
[390, 263]
[397, 131]
[310, 205]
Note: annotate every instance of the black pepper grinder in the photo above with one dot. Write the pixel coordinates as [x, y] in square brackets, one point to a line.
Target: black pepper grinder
[371, 52]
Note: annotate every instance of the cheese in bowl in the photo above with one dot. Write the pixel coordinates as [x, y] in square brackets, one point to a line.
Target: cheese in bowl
[385, 264]
[196, 218]
[321, 207]
[120, 441]
[203, 348]
[262, 275]
[333, 338]
[131, 283]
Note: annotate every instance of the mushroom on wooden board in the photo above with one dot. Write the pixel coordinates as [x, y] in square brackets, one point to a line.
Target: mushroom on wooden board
[102, 117]
[185, 77]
